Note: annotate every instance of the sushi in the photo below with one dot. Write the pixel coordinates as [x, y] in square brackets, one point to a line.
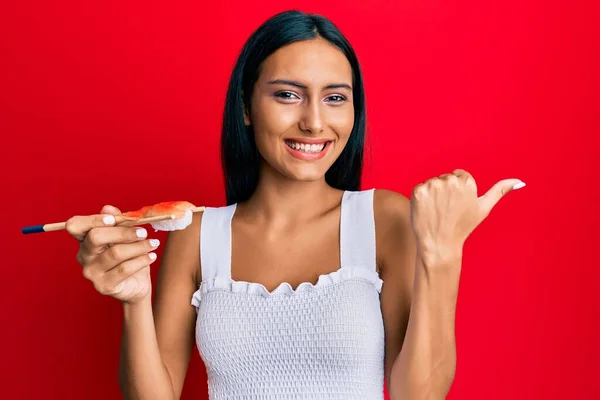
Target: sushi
[181, 210]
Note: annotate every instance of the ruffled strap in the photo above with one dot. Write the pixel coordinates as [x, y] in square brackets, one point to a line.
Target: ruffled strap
[196, 299]
[285, 289]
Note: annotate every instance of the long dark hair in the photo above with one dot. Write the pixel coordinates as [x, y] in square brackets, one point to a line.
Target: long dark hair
[239, 155]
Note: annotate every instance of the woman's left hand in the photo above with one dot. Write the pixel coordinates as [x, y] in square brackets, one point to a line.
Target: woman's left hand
[446, 209]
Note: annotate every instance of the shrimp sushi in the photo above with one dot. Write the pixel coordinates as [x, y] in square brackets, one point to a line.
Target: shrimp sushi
[182, 210]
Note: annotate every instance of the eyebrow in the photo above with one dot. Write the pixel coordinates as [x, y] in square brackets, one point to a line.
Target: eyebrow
[301, 86]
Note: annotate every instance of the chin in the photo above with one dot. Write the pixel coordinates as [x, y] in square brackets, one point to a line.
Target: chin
[305, 173]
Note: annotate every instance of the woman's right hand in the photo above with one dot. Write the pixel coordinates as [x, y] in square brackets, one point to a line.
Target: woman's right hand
[116, 259]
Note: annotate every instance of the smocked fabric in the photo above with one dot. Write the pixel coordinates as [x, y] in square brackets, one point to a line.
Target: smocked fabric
[318, 341]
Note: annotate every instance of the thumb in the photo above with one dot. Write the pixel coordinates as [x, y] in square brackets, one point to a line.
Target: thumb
[496, 192]
[108, 209]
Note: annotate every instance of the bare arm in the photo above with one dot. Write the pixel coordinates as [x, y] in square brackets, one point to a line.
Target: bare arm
[157, 343]
[425, 367]
[418, 309]
[443, 212]
[396, 256]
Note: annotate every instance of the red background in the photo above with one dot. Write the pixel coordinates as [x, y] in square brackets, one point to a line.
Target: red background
[120, 103]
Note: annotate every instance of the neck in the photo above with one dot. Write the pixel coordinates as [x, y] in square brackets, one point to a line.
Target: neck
[280, 201]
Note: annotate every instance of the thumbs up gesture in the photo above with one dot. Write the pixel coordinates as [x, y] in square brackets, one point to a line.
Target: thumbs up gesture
[446, 209]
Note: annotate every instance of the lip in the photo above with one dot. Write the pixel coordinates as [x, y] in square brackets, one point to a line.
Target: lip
[309, 156]
[309, 140]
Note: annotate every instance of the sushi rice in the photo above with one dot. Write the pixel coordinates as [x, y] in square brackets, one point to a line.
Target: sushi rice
[174, 224]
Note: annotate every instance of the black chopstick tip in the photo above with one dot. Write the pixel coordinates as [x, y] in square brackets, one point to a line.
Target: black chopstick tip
[33, 229]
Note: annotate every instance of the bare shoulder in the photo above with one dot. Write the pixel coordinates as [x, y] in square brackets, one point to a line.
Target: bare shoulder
[390, 204]
[392, 221]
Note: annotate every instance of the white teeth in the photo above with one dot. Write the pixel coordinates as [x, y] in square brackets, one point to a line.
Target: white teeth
[306, 148]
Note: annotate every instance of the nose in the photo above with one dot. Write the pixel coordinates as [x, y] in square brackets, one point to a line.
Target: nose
[311, 120]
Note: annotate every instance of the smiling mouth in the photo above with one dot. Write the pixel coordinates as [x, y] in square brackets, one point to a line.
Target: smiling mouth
[306, 148]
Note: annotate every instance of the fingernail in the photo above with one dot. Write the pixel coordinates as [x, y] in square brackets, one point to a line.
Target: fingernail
[152, 256]
[141, 233]
[154, 242]
[518, 185]
[108, 220]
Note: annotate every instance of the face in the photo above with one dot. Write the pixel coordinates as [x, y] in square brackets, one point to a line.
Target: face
[302, 111]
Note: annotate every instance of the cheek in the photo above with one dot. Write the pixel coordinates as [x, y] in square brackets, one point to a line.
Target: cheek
[342, 122]
[271, 120]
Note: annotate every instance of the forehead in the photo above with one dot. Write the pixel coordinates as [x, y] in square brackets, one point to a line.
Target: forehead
[310, 61]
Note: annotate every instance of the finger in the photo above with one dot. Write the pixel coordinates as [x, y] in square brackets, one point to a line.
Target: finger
[79, 226]
[119, 253]
[112, 279]
[465, 177]
[100, 264]
[456, 178]
[499, 190]
[108, 209]
[462, 173]
[97, 239]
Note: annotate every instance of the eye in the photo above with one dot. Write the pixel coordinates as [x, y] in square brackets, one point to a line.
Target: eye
[286, 95]
[336, 98]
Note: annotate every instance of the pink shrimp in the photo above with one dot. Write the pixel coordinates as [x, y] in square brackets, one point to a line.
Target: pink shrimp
[164, 208]
[182, 210]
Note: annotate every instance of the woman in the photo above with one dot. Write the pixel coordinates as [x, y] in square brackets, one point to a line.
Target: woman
[303, 286]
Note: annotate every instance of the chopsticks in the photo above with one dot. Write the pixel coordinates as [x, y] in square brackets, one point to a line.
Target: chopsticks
[121, 220]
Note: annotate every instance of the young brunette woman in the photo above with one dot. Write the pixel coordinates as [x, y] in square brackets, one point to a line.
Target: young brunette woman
[304, 286]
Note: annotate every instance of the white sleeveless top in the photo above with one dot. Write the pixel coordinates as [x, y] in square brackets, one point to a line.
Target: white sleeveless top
[322, 341]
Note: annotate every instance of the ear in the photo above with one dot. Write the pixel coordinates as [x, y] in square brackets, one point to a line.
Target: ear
[247, 121]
